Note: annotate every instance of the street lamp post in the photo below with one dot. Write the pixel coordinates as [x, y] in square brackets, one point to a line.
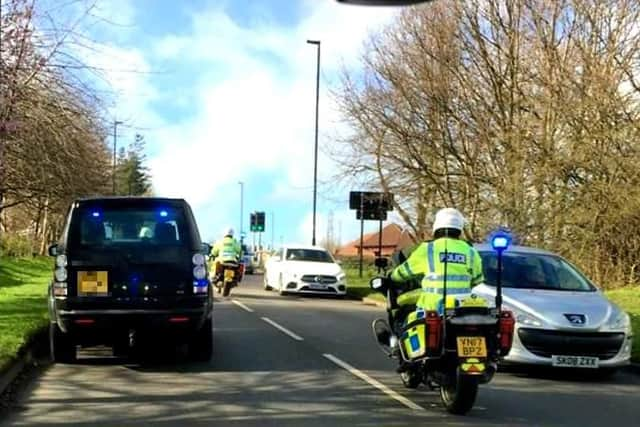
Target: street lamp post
[273, 229]
[315, 150]
[115, 147]
[241, 209]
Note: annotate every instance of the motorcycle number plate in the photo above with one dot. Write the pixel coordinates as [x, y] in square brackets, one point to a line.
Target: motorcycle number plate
[472, 347]
[474, 302]
[229, 274]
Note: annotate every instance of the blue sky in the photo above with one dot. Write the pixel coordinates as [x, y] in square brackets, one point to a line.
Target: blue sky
[224, 91]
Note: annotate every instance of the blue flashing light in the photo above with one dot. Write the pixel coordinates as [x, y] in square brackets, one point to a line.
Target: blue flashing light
[202, 283]
[500, 242]
[163, 213]
[95, 214]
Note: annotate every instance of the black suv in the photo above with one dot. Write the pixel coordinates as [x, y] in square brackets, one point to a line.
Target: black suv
[128, 269]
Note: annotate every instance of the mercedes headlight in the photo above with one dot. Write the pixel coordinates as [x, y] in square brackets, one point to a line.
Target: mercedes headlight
[341, 277]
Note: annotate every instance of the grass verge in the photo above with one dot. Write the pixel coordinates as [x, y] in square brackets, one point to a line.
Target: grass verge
[358, 287]
[23, 303]
[628, 299]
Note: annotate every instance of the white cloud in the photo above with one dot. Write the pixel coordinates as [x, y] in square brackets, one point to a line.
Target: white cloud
[259, 115]
[253, 90]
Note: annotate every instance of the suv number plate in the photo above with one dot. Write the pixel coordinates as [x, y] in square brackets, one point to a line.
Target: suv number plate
[93, 283]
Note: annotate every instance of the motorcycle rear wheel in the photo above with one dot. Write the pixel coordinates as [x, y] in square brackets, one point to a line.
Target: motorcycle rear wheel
[459, 396]
[226, 289]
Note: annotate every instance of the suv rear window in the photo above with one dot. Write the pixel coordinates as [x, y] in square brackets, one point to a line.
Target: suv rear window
[105, 227]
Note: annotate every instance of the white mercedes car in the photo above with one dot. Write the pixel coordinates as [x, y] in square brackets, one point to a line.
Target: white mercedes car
[562, 319]
[299, 269]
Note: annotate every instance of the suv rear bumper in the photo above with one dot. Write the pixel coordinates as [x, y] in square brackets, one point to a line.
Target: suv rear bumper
[105, 326]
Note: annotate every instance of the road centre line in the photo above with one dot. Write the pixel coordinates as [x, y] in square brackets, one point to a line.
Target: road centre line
[242, 306]
[283, 329]
[373, 382]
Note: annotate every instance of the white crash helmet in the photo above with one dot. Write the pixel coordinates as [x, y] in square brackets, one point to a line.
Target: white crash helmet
[228, 232]
[448, 218]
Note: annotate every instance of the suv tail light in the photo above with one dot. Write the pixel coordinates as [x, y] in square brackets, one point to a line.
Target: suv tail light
[59, 289]
[200, 286]
[434, 332]
[507, 325]
[200, 281]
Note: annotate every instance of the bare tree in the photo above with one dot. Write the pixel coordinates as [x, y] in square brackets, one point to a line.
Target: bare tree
[521, 113]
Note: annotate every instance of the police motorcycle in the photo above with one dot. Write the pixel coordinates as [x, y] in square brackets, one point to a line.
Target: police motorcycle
[229, 277]
[454, 349]
[226, 276]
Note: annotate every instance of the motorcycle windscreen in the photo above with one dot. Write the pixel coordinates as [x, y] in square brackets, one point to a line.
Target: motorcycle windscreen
[129, 252]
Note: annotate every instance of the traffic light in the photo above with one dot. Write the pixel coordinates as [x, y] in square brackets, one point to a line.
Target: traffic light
[259, 221]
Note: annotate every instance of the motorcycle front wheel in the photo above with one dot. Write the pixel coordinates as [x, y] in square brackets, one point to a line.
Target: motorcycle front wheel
[411, 379]
[460, 394]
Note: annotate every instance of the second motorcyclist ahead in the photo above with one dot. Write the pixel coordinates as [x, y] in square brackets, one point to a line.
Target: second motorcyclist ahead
[227, 249]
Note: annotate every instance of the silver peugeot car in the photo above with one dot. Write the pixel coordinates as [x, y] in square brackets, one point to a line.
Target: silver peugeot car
[562, 319]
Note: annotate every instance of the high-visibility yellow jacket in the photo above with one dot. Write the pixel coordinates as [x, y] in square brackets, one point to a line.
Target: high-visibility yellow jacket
[227, 249]
[464, 270]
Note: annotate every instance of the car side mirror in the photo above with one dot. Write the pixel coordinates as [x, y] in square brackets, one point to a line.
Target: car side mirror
[53, 250]
[206, 248]
[339, 261]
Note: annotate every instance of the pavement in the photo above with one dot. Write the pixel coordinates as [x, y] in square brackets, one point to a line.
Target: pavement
[290, 361]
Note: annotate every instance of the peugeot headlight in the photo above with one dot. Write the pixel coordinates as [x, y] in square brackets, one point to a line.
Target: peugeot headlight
[61, 261]
[619, 320]
[199, 272]
[60, 274]
[526, 319]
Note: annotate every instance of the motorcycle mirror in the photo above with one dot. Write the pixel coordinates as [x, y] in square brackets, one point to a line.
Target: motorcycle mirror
[381, 262]
[376, 283]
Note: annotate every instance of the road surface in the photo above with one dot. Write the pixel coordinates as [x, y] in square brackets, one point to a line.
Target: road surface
[289, 361]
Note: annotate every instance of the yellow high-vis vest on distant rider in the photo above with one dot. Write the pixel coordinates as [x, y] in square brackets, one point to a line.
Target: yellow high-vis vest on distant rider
[227, 248]
[463, 264]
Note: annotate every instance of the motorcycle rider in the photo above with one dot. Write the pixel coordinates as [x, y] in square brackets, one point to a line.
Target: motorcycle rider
[427, 263]
[227, 249]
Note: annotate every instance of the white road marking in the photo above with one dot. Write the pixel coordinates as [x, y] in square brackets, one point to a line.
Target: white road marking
[373, 382]
[242, 306]
[283, 329]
